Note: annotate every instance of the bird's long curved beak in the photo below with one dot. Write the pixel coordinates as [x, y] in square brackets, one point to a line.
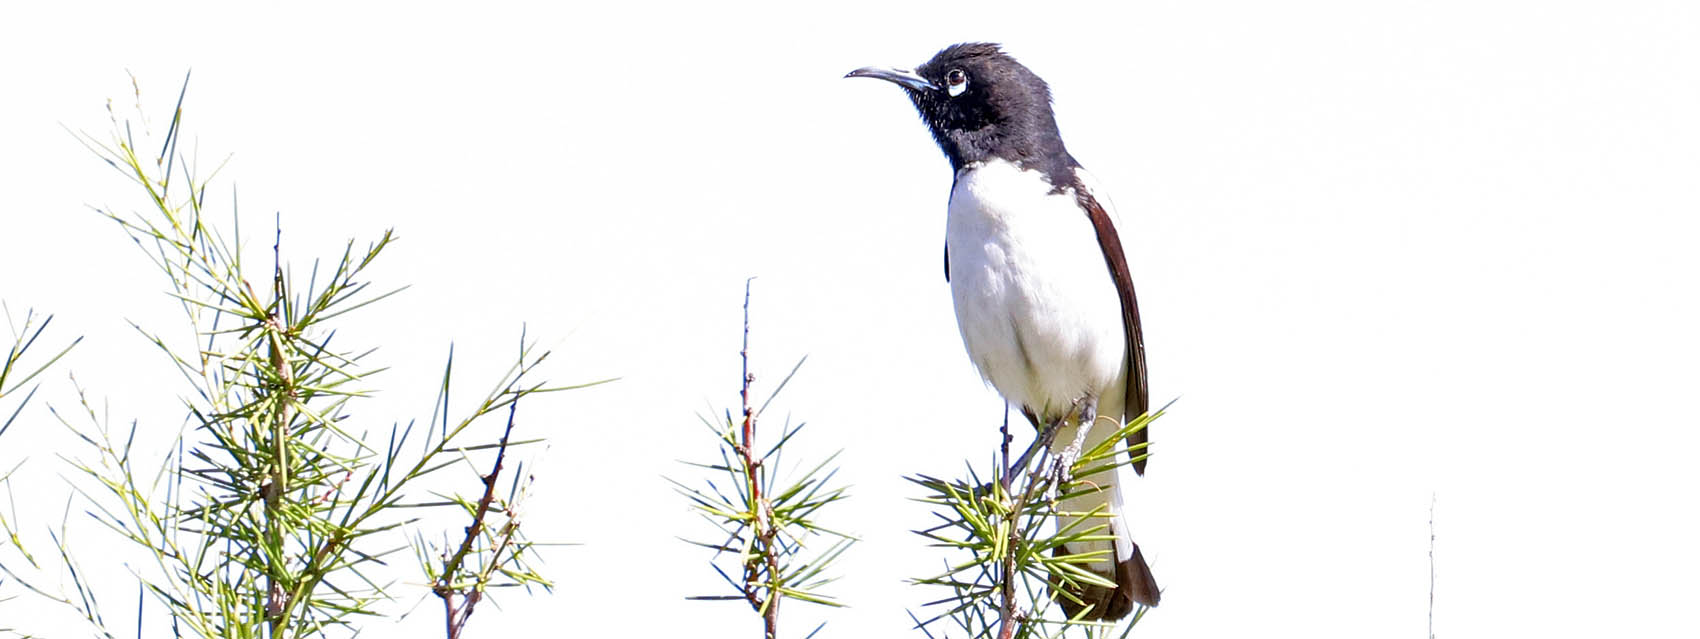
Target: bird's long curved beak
[901, 77]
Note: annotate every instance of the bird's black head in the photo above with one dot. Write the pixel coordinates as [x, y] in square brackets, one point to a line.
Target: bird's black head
[982, 104]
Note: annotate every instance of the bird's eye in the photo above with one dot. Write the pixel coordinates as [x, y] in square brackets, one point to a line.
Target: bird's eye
[956, 82]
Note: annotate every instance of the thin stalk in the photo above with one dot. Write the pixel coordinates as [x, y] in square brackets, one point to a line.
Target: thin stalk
[766, 558]
[455, 617]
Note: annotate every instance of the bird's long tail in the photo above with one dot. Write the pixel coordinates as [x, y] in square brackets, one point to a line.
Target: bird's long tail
[1119, 560]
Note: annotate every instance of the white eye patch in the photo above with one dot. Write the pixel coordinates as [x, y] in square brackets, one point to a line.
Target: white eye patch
[956, 82]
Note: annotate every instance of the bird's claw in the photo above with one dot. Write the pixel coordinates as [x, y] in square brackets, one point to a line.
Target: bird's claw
[1087, 407]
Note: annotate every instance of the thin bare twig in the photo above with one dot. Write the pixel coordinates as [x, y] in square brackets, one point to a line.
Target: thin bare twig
[766, 559]
[277, 604]
[455, 617]
[1431, 499]
[1006, 611]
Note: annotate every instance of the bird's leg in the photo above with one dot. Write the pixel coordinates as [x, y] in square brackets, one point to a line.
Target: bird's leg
[1088, 408]
[1042, 442]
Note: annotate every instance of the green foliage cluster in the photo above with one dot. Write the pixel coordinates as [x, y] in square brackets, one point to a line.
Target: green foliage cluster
[766, 526]
[275, 515]
[1008, 565]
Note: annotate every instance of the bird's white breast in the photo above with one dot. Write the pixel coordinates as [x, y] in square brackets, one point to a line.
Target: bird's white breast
[1035, 302]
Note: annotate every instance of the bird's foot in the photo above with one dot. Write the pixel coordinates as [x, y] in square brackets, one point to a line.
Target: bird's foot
[1087, 407]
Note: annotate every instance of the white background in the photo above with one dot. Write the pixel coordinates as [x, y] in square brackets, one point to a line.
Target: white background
[1385, 251]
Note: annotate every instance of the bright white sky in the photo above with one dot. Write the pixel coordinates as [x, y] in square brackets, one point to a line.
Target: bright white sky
[1384, 251]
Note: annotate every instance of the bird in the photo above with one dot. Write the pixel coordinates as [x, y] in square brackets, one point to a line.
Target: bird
[1040, 282]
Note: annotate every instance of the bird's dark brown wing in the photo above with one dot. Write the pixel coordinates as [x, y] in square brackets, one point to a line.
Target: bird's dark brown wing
[1138, 392]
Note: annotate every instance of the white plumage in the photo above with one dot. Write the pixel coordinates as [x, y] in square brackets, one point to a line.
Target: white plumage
[1038, 310]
